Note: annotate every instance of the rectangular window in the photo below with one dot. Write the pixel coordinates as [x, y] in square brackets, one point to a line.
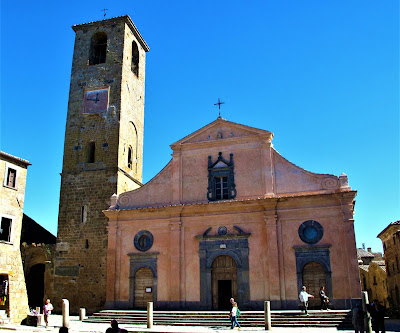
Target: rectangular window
[5, 229]
[92, 151]
[221, 188]
[10, 177]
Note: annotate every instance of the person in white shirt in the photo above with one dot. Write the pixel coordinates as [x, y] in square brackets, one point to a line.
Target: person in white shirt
[233, 316]
[47, 308]
[304, 298]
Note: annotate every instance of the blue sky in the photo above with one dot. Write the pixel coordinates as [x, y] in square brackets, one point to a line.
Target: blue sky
[323, 76]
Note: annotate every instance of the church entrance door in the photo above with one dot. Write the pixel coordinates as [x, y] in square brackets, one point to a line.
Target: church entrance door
[224, 282]
[143, 288]
[314, 277]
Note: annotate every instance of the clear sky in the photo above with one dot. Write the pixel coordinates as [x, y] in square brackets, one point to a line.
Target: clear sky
[323, 76]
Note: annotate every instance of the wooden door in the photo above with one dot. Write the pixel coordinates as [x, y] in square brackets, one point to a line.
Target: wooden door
[314, 277]
[143, 288]
[224, 282]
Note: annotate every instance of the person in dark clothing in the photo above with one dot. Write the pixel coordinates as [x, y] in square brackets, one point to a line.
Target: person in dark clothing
[115, 329]
[324, 299]
[377, 312]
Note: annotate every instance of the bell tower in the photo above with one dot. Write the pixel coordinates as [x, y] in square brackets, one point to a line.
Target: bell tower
[103, 152]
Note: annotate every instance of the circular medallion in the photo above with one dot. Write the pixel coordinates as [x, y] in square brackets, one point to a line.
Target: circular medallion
[311, 232]
[222, 230]
[143, 240]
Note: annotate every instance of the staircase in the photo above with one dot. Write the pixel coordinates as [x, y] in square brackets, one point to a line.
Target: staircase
[333, 318]
[4, 318]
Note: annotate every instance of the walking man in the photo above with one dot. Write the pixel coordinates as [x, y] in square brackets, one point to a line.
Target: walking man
[47, 308]
[304, 298]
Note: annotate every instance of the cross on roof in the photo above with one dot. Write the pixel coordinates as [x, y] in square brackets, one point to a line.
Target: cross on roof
[104, 10]
[219, 107]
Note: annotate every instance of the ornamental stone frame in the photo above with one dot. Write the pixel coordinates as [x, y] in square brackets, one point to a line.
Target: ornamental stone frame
[319, 254]
[235, 246]
[137, 261]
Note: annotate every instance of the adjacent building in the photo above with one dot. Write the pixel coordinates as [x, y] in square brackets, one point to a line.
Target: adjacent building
[13, 296]
[390, 237]
[373, 275]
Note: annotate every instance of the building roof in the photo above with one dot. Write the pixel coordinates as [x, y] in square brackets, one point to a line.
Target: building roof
[390, 224]
[126, 18]
[364, 267]
[14, 158]
[361, 253]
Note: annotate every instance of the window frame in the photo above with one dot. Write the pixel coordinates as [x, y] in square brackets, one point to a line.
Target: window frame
[11, 232]
[9, 167]
[221, 172]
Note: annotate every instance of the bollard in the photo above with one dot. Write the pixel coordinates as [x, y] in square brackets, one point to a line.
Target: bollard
[149, 314]
[65, 312]
[267, 315]
[367, 318]
[82, 314]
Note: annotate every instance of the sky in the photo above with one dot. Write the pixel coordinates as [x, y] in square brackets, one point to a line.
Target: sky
[323, 76]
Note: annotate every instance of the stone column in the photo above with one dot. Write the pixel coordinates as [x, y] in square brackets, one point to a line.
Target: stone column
[82, 314]
[367, 318]
[267, 315]
[149, 314]
[65, 312]
[175, 261]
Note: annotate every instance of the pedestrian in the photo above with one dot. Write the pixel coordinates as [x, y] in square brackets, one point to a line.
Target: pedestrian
[47, 308]
[303, 296]
[233, 315]
[324, 299]
[115, 329]
[377, 312]
[358, 319]
[63, 329]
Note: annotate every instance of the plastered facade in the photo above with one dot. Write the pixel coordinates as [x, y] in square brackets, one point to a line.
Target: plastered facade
[11, 207]
[96, 148]
[258, 228]
[391, 246]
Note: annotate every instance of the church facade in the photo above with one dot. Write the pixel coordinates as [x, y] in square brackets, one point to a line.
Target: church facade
[228, 216]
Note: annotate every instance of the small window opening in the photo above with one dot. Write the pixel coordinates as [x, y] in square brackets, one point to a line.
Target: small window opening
[98, 48]
[87, 244]
[11, 177]
[84, 214]
[135, 59]
[130, 158]
[5, 229]
[92, 150]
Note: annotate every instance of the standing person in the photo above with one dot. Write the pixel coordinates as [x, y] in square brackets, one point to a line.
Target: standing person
[324, 299]
[358, 319]
[303, 296]
[377, 312]
[233, 316]
[47, 308]
[115, 328]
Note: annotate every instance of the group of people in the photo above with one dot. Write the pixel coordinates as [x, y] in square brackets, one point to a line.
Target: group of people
[377, 313]
[376, 310]
[304, 296]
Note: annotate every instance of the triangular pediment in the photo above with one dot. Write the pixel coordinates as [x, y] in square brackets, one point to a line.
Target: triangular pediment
[220, 164]
[222, 129]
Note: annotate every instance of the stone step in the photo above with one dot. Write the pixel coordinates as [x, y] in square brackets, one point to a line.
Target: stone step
[338, 318]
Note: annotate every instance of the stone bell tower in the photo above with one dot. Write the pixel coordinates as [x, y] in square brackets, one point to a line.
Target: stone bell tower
[103, 152]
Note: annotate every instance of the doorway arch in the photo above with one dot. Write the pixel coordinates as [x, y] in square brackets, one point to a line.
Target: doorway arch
[314, 277]
[224, 282]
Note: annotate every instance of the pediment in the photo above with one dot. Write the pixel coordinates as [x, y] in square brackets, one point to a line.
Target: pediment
[222, 129]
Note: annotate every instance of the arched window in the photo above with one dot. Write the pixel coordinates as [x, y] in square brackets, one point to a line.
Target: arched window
[134, 141]
[91, 152]
[98, 48]
[135, 59]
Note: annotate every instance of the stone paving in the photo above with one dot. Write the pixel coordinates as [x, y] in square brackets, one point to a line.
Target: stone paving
[77, 326]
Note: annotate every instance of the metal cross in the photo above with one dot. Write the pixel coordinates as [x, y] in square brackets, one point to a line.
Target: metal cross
[219, 107]
[104, 10]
